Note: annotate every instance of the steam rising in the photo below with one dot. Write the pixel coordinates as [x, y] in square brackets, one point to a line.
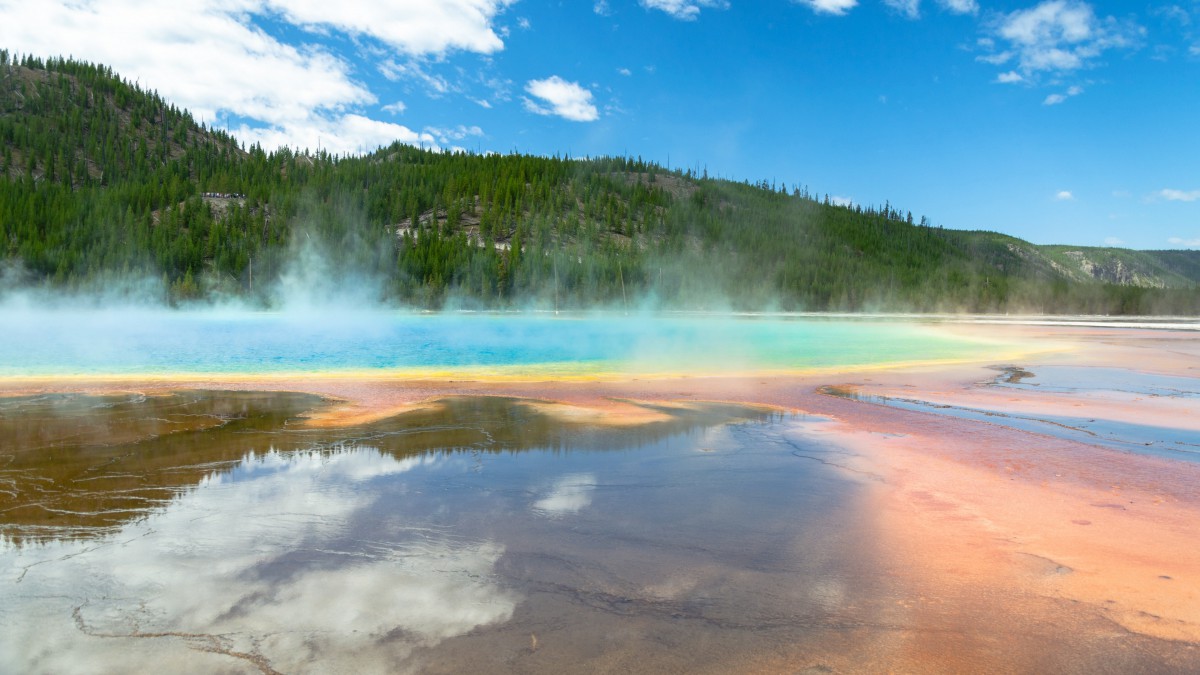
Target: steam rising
[326, 309]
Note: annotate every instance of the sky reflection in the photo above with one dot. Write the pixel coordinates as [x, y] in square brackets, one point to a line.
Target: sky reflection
[226, 566]
[568, 494]
[446, 538]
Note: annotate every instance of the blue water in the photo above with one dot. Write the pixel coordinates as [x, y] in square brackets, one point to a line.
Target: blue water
[1144, 439]
[60, 343]
[1078, 379]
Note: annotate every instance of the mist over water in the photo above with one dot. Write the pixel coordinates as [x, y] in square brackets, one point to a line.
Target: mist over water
[140, 341]
[322, 314]
[324, 307]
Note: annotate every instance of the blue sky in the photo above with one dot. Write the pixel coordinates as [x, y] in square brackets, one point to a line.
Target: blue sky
[1059, 121]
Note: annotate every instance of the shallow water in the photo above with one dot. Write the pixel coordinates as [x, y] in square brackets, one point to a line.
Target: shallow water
[208, 530]
[213, 532]
[1081, 383]
[143, 342]
[84, 462]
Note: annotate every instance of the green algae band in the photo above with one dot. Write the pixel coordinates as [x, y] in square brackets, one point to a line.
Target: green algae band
[59, 343]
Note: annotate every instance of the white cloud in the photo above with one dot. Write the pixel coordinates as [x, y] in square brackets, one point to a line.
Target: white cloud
[212, 58]
[601, 7]
[960, 6]
[1179, 195]
[685, 10]
[218, 65]
[523, 23]
[909, 8]
[450, 135]
[841, 201]
[836, 7]
[995, 59]
[624, 71]
[395, 108]
[565, 99]
[414, 27]
[345, 134]
[1055, 99]
[1064, 196]
[1011, 77]
[1113, 241]
[1188, 243]
[435, 85]
[1174, 14]
[1062, 35]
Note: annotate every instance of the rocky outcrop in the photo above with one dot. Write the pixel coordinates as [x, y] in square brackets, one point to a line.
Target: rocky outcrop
[1112, 269]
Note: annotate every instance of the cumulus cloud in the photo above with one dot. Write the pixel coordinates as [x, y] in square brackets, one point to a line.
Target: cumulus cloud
[221, 64]
[350, 133]
[1064, 196]
[414, 27]
[836, 7]
[214, 58]
[841, 201]
[395, 108]
[1114, 241]
[685, 10]
[559, 97]
[1187, 243]
[1061, 35]
[1179, 195]
[1011, 77]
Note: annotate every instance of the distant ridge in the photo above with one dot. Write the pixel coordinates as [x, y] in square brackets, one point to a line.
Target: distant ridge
[101, 181]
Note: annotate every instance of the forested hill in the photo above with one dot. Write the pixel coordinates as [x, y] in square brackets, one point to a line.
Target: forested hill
[102, 182]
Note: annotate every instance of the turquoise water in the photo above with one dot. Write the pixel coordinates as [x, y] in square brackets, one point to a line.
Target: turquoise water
[60, 343]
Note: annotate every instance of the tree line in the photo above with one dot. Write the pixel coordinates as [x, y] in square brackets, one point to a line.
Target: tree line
[101, 179]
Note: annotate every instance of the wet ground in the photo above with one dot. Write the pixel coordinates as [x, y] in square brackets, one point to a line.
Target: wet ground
[1176, 438]
[211, 531]
[218, 531]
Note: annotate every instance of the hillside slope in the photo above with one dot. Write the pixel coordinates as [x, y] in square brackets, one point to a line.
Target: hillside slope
[100, 181]
[1149, 269]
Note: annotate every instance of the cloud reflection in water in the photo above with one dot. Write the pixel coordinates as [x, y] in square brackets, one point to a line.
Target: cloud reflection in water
[569, 494]
[269, 544]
